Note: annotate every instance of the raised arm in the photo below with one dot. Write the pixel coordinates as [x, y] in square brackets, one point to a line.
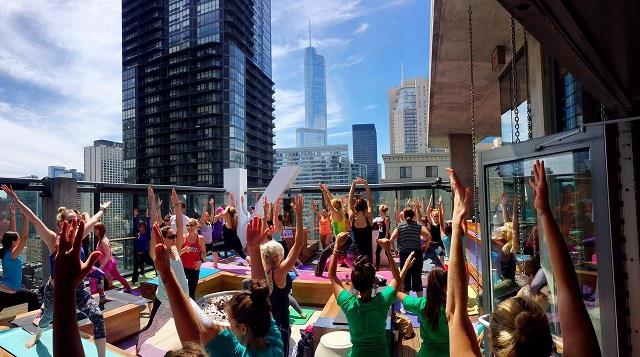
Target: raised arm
[578, 335]
[277, 208]
[515, 243]
[12, 218]
[505, 211]
[255, 237]
[314, 207]
[88, 227]
[426, 235]
[352, 190]
[24, 236]
[396, 212]
[48, 236]
[367, 189]
[104, 258]
[177, 208]
[204, 216]
[232, 199]
[336, 284]
[462, 337]
[395, 235]
[441, 217]
[300, 238]
[152, 207]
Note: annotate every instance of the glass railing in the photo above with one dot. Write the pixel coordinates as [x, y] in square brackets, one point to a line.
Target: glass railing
[119, 218]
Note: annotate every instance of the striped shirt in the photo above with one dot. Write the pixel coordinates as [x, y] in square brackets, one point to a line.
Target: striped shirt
[409, 236]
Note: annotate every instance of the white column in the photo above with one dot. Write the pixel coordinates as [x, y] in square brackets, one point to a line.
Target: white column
[235, 181]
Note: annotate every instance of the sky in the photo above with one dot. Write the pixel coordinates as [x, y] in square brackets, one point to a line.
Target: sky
[60, 72]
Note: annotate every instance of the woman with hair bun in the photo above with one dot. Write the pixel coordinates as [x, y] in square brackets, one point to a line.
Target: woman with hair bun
[366, 312]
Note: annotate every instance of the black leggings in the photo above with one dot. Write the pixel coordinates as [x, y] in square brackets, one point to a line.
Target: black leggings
[413, 280]
[378, 251]
[192, 280]
[234, 245]
[21, 296]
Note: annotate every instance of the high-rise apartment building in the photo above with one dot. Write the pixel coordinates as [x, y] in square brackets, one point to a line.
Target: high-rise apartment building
[103, 163]
[314, 134]
[409, 116]
[365, 149]
[197, 91]
[327, 164]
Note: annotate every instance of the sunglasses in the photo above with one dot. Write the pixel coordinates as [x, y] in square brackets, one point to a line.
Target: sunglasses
[172, 236]
[190, 225]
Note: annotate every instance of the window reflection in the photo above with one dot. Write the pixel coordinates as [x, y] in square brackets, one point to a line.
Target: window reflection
[519, 261]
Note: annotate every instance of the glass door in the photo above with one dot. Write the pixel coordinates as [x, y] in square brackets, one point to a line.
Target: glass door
[515, 258]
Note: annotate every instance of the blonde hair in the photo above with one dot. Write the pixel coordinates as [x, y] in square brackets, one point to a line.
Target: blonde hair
[506, 232]
[193, 221]
[519, 328]
[336, 203]
[383, 208]
[63, 212]
[269, 251]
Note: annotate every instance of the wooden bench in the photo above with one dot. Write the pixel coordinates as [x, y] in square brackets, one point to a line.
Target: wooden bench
[9, 313]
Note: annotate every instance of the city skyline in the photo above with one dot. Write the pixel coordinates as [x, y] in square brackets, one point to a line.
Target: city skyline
[62, 70]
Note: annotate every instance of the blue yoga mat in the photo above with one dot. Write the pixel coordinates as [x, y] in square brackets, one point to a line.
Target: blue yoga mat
[13, 341]
[204, 272]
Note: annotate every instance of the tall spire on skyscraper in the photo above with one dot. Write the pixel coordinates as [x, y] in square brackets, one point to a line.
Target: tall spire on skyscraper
[401, 72]
[309, 33]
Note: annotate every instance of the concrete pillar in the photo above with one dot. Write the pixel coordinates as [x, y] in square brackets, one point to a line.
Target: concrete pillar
[64, 193]
[540, 89]
[235, 181]
[461, 157]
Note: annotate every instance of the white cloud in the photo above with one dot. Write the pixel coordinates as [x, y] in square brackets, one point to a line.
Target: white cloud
[348, 62]
[341, 134]
[70, 53]
[289, 115]
[371, 106]
[361, 28]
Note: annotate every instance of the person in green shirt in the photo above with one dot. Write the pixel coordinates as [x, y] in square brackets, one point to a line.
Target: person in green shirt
[366, 313]
[434, 327]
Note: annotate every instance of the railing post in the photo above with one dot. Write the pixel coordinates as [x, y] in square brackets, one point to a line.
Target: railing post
[64, 193]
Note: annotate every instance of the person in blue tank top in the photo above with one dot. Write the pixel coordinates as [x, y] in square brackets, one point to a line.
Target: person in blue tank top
[11, 291]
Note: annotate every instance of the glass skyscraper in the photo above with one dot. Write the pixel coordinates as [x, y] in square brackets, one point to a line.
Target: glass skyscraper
[365, 149]
[315, 101]
[197, 91]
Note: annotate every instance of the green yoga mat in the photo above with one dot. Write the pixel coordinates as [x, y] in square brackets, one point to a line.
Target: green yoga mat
[204, 272]
[295, 319]
[13, 341]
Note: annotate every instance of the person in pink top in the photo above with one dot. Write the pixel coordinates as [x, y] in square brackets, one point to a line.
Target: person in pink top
[107, 263]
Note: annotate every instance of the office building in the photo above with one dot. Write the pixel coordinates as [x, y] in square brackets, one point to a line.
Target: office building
[314, 134]
[61, 171]
[327, 164]
[409, 116]
[419, 167]
[365, 149]
[197, 91]
[103, 163]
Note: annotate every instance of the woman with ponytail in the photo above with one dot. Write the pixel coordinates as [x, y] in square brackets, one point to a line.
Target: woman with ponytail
[408, 236]
[434, 328]
[366, 312]
[11, 290]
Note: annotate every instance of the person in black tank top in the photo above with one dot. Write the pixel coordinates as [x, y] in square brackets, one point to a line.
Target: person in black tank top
[384, 224]
[361, 213]
[436, 248]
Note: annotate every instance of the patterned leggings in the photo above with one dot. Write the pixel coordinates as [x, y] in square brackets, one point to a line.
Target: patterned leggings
[84, 303]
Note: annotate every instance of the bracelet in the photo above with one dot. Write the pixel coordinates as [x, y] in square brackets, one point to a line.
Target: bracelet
[338, 252]
[103, 209]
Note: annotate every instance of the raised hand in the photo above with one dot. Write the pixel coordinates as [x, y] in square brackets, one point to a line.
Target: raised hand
[67, 256]
[539, 187]
[323, 187]
[174, 197]
[298, 206]
[461, 198]
[162, 260]
[10, 193]
[255, 233]
[105, 205]
[385, 244]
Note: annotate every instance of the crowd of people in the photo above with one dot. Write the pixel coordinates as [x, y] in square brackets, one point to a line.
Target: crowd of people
[176, 246]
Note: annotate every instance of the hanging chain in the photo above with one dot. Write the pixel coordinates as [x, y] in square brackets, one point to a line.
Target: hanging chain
[476, 215]
[526, 76]
[518, 164]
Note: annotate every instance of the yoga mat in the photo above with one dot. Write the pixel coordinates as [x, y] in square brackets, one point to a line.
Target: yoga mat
[14, 339]
[204, 272]
[341, 319]
[125, 297]
[295, 319]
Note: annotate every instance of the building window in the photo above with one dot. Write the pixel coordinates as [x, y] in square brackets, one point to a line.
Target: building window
[507, 114]
[405, 172]
[432, 171]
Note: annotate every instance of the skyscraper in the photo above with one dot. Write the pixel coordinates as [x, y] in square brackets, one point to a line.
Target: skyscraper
[314, 133]
[409, 116]
[365, 149]
[197, 91]
[103, 163]
[61, 171]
